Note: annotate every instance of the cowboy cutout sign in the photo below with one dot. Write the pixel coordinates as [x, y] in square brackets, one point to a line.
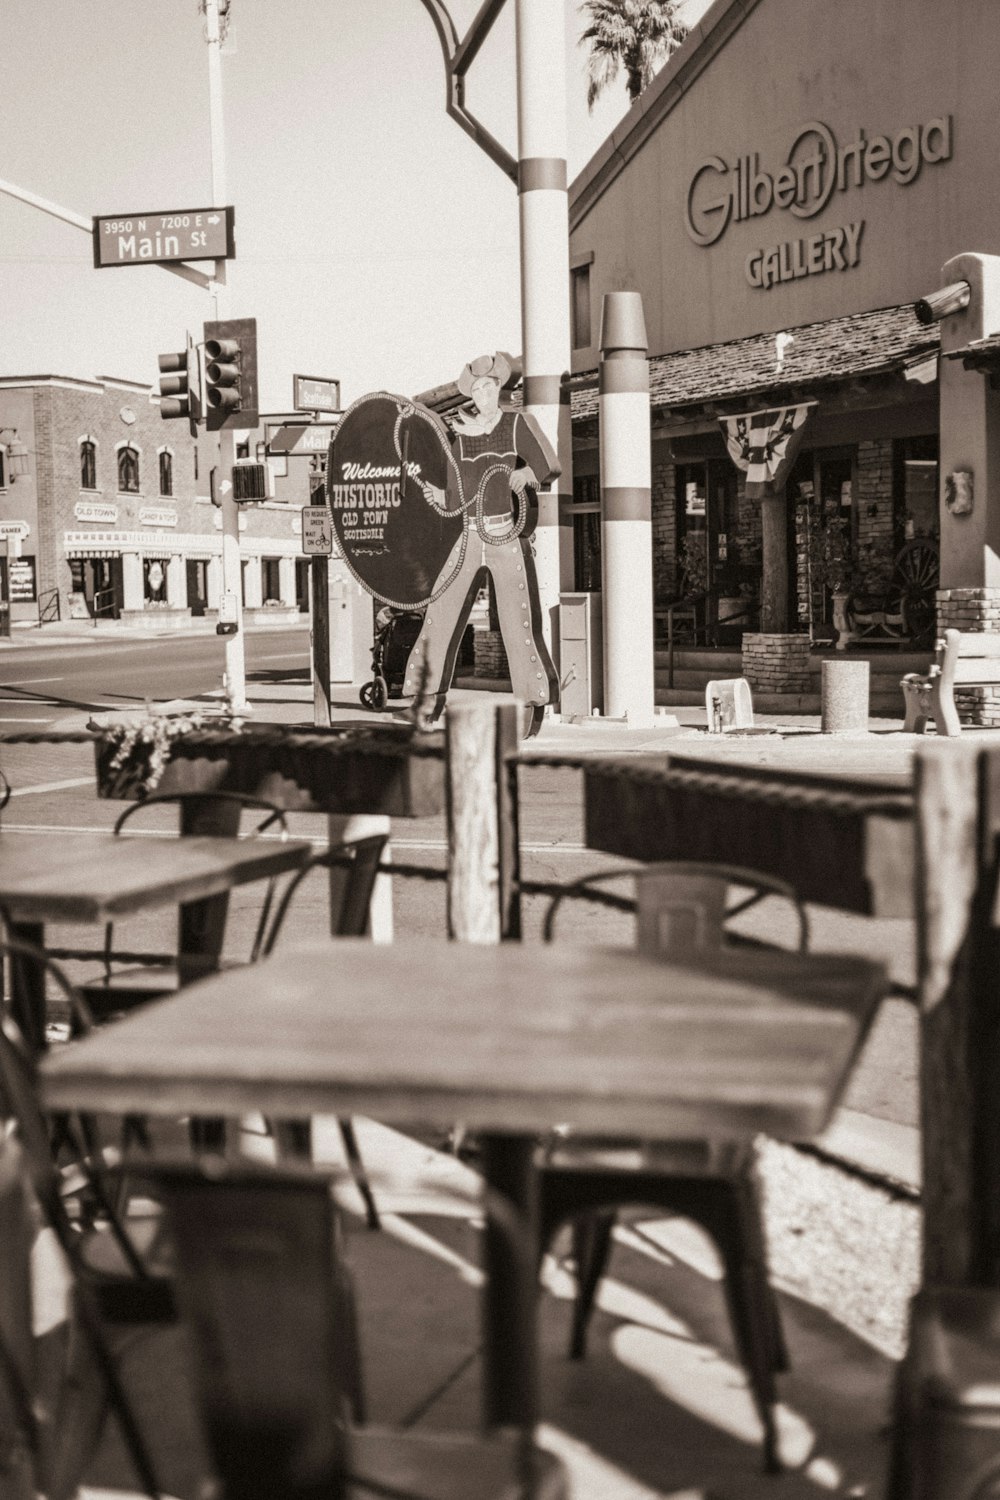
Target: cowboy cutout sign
[423, 515]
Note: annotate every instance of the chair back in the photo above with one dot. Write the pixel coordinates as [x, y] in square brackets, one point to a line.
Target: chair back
[685, 907]
[360, 859]
[257, 1279]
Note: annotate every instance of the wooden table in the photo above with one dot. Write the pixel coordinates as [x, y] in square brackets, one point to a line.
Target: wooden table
[85, 878]
[510, 1039]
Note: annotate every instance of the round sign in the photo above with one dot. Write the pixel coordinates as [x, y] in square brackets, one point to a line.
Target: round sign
[398, 546]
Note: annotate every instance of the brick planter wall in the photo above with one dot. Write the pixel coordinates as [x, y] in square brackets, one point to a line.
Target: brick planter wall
[972, 609]
[777, 663]
[491, 658]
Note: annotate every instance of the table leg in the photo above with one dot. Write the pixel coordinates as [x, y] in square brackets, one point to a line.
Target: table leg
[510, 1296]
[27, 998]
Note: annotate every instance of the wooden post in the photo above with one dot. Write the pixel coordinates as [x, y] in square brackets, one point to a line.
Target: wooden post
[320, 579]
[957, 809]
[774, 565]
[483, 903]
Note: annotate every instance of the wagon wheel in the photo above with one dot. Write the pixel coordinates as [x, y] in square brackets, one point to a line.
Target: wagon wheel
[914, 583]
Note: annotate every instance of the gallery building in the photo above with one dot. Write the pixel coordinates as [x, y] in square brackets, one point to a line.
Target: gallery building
[783, 193]
[108, 509]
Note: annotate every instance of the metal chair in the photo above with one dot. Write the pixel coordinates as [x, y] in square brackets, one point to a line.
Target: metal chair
[112, 1279]
[262, 1289]
[683, 910]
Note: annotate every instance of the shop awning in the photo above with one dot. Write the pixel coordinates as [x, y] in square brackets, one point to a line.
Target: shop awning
[777, 368]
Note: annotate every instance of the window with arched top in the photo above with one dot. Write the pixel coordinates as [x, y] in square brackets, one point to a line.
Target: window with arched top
[88, 464]
[128, 470]
[166, 472]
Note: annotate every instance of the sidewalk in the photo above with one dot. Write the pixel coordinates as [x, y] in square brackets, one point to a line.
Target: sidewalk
[659, 1408]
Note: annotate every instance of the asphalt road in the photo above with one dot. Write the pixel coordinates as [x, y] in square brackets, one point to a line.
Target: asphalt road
[53, 792]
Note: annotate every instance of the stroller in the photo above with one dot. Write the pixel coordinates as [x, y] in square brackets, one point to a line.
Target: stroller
[396, 631]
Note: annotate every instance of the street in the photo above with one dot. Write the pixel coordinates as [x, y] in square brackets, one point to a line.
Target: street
[57, 686]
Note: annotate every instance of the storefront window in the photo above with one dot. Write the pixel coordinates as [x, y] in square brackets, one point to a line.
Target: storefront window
[88, 465]
[915, 487]
[128, 471]
[587, 533]
[270, 579]
[154, 578]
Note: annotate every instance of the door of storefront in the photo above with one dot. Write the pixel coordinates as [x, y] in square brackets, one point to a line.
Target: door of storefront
[708, 550]
[197, 585]
[302, 584]
[98, 581]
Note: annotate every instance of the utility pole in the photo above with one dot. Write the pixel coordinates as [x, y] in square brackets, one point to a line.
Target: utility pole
[232, 576]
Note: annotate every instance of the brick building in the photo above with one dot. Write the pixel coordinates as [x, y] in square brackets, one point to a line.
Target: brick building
[787, 188]
[114, 512]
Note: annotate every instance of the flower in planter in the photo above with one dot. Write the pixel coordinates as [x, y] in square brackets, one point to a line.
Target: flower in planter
[142, 741]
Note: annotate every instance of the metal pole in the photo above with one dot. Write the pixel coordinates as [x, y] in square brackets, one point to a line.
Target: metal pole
[626, 511]
[232, 575]
[545, 314]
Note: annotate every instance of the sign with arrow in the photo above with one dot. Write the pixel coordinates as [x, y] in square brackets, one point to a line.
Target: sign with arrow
[150, 239]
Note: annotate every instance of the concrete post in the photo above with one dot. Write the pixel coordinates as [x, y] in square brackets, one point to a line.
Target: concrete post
[626, 510]
[253, 596]
[286, 580]
[545, 304]
[132, 592]
[177, 583]
[970, 433]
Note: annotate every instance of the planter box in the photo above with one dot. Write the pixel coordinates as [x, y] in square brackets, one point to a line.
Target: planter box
[354, 771]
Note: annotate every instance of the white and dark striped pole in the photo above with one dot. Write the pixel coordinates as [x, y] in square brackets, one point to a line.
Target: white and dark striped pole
[545, 304]
[626, 510]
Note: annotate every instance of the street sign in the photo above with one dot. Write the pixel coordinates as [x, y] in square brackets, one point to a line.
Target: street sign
[313, 394]
[298, 438]
[150, 239]
[317, 531]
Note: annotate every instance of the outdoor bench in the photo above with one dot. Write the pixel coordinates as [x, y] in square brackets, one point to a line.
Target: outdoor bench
[963, 658]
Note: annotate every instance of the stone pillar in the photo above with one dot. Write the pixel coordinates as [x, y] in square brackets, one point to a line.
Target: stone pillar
[970, 434]
[253, 596]
[177, 592]
[972, 609]
[213, 581]
[286, 580]
[132, 591]
[777, 663]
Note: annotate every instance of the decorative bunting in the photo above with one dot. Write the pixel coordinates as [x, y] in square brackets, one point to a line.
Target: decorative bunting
[764, 444]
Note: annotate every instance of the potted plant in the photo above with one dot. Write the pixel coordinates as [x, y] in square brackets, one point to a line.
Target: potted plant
[693, 560]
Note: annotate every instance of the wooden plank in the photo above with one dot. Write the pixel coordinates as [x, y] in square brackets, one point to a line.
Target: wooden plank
[956, 815]
[482, 835]
[506, 1037]
[980, 669]
[982, 643]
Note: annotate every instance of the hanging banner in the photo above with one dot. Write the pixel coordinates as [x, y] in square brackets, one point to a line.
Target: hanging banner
[384, 451]
[764, 445]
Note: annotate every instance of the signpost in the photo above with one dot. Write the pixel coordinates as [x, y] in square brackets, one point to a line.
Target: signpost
[317, 531]
[150, 239]
[313, 394]
[296, 439]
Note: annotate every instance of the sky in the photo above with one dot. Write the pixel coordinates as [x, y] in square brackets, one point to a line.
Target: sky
[375, 242]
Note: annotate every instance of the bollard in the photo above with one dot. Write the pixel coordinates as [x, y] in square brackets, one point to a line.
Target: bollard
[844, 697]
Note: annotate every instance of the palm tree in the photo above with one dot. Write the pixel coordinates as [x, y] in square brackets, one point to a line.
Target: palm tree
[641, 34]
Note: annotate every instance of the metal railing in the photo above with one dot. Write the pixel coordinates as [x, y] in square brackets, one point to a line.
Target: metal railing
[49, 607]
[99, 608]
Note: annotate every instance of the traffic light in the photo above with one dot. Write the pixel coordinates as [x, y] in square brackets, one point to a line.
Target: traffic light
[231, 374]
[180, 385]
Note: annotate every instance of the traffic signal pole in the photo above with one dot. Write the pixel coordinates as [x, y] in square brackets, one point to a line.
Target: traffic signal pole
[232, 573]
